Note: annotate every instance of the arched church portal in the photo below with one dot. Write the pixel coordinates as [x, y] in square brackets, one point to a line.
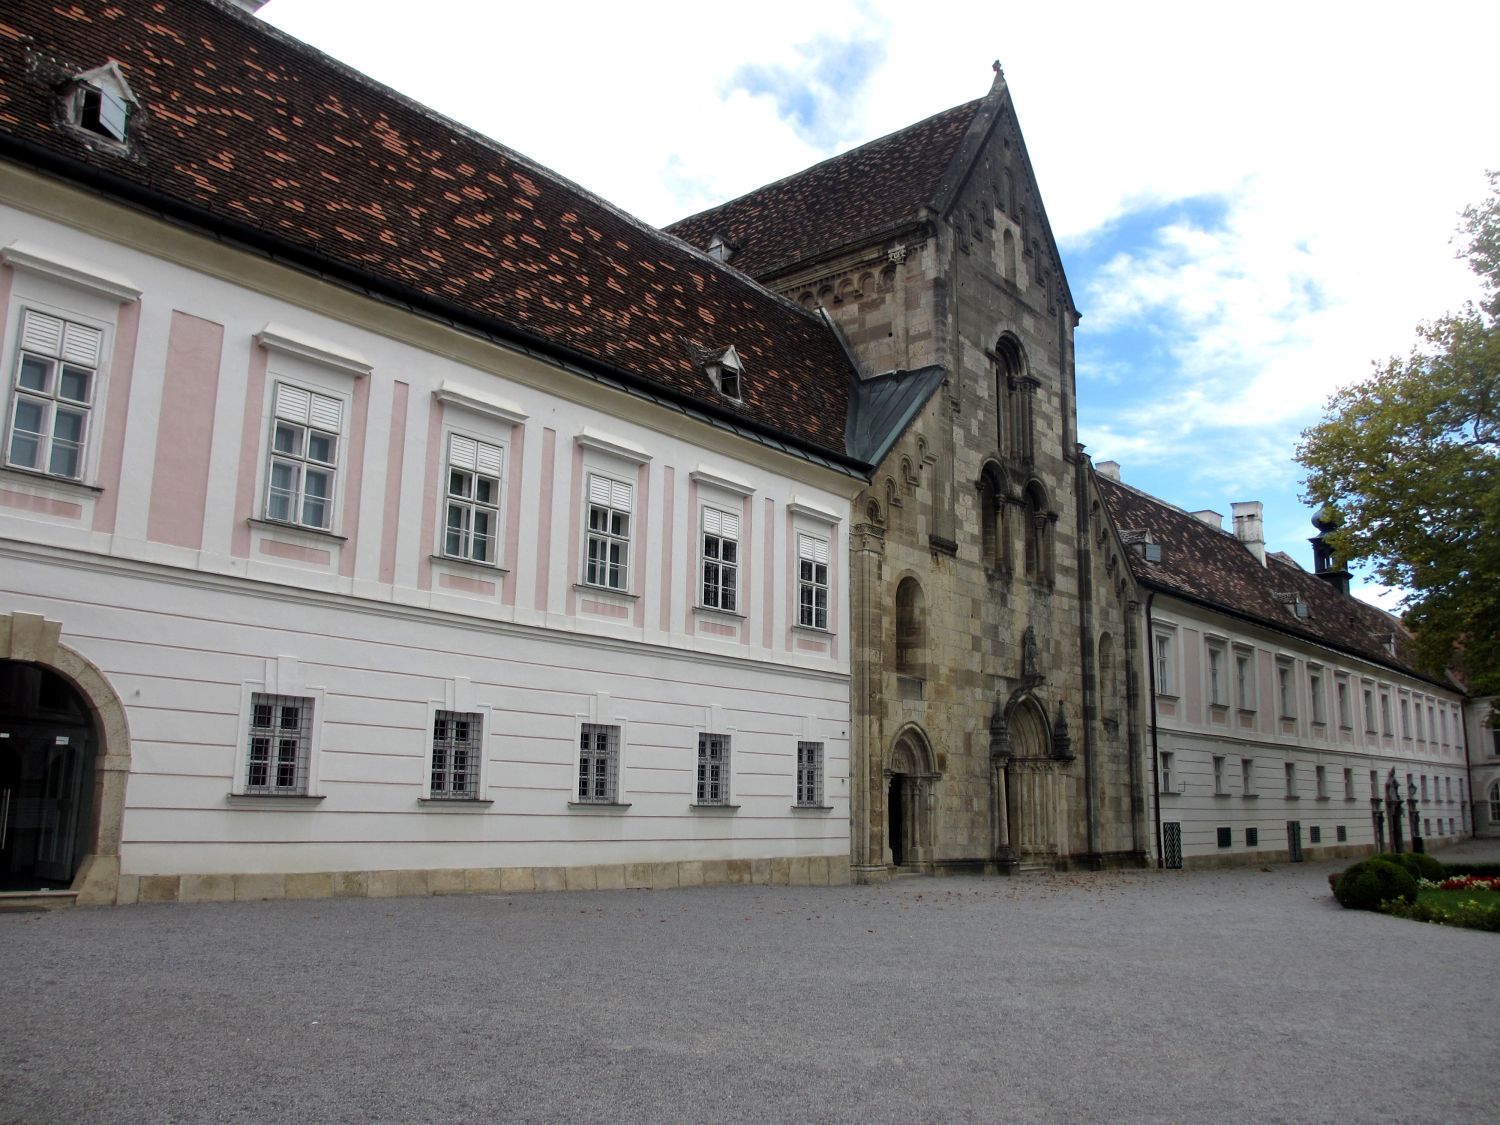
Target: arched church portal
[910, 779]
[48, 746]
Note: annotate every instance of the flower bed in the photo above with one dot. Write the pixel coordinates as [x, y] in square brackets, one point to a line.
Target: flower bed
[1464, 883]
[1468, 900]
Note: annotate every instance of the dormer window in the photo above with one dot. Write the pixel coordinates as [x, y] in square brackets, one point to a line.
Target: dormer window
[101, 102]
[724, 368]
[719, 250]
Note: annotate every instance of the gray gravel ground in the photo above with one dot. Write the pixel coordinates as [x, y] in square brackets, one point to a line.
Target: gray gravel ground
[1129, 996]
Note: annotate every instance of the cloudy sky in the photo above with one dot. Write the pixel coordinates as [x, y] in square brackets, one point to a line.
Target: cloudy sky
[1252, 202]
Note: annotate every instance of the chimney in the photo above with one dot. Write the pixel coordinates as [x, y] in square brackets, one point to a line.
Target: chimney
[1210, 517]
[1110, 469]
[1249, 528]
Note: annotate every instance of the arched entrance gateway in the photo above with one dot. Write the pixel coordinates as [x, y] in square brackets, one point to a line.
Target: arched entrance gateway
[64, 758]
[910, 777]
[1029, 759]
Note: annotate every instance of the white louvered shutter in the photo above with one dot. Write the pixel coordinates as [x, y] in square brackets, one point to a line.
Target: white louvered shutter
[292, 403]
[81, 345]
[41, 333]
[610, 493]
[722, 524]
[463, 453]
[488, 459]
[326, 413]
[814, 550]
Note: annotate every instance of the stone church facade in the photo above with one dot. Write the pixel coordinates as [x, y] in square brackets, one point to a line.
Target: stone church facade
[991, 625]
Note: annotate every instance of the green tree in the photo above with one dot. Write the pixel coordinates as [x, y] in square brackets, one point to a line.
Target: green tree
[1410, 458]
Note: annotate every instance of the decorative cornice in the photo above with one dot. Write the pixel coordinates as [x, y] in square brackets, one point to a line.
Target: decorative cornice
[276, 338]
[479, 402]
[79, 275]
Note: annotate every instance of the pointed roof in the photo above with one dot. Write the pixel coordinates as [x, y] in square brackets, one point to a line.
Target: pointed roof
[1211, 567]
[252, 137]
[852, 198]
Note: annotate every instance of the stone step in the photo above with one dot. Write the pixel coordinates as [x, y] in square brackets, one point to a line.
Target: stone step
[37, 900]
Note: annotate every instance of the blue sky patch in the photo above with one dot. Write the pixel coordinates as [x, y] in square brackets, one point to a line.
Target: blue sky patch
[813, 94]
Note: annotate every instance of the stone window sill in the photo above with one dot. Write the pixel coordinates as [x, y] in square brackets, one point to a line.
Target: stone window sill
[470, 564]
[457, 804]
[711, 808]
[599, 806]
[812, 808]
[296, 529]
[65, 486]
[307, 801]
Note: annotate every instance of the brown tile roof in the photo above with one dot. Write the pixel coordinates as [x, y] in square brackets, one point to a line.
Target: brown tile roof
[850, 198]
[256, 136]
[1214, 568]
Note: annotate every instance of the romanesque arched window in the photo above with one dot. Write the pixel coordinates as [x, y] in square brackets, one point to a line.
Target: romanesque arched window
[911, 628]
[1008, 255]
[1038, 533]
[989, 519]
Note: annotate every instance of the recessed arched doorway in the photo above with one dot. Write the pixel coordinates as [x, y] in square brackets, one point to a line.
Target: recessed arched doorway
[910, 778]
[48, 745]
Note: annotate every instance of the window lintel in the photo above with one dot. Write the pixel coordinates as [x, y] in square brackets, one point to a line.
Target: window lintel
[277, 338]
[479, 402]
[590, 438]
[78, 275]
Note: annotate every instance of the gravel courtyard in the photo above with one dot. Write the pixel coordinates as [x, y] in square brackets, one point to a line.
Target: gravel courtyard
[1129, 996]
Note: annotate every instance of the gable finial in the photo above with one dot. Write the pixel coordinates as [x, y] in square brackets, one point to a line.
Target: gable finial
[999, 74]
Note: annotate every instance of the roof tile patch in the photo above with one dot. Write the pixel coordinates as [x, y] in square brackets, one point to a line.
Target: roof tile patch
[343, 158]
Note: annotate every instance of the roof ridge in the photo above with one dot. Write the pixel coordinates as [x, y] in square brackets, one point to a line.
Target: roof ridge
[809, 169]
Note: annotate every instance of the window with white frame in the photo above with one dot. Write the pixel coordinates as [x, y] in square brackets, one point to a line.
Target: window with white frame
[1431, 725]
[1348, 784]
[1290, 769]
[1315, 691]
[1495, 803]
[1286, 693]
[54, 389]
[1247, 776]
[472, 528]
[1167, 761]
[1385, 713]
[1221, 787]
[1345, 721]
[300, 481]
[1244, 680]
[457, 743]
[809, 774]
[1369, 700]
[1165, 684]
[812, 582]
[280, 745]
[713, 769]
[1216, 685]
[1405, 719]
[598, 764]
[1424, 788]
[607, 562]
[1322, 780]
[1448, 789]
[721, 560]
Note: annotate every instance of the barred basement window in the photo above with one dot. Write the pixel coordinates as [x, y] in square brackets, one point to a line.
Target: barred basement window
[713, 769]
[721, 559]
[473, 499]
[598, 763]
[1314, 835]
[1252, 837]
[280, 743]
[54, 395]
[457, 742]
[1341, 834]
[809, 774]
[1226, 837]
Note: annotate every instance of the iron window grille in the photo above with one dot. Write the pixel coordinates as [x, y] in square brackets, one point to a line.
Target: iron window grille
[812, 582]
[713, 769]
[598, 763]
[56, 373]
[1315, 835]
[809, 774]
[280, 744]
[473, 499]
[721, 566]
[608, 562]
[457, 743]
[304, 458]
[1226, 837]
[1252, 837]
[1340, 834]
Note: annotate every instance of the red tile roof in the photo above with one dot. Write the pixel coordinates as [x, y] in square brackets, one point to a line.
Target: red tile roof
[1212, 567]
[257, 136]
[848, 199]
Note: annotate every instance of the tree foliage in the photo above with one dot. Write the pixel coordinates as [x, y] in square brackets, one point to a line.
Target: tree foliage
[1410, 458]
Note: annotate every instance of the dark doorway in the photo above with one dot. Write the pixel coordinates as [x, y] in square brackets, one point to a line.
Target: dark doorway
[47, 748]
[1294, 840]
[896, 810]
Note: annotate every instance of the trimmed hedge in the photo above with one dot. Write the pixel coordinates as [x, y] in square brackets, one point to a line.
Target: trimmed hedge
[1366, 885]
[1490, 870]
[1420, 865]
